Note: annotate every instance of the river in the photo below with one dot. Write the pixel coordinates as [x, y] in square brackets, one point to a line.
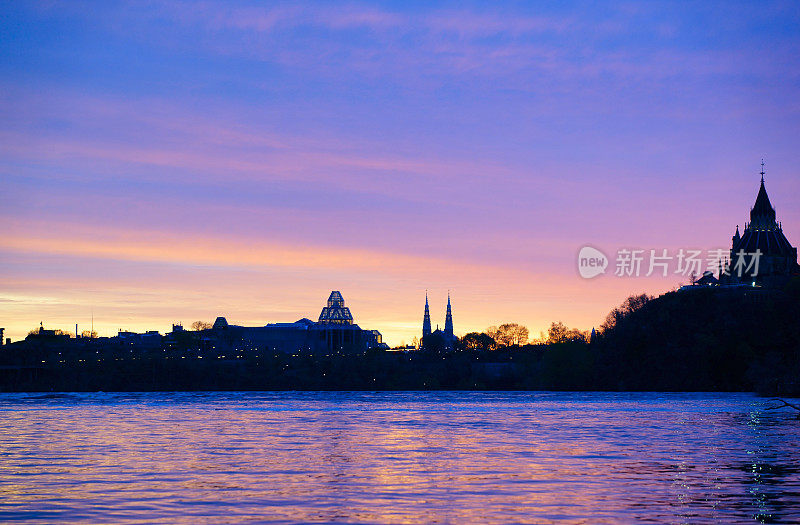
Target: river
[397, 457]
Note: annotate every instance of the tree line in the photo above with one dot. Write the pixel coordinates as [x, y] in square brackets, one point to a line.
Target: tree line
[698, 340]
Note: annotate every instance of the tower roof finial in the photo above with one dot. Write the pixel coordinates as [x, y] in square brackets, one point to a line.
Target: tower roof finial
[762, 170]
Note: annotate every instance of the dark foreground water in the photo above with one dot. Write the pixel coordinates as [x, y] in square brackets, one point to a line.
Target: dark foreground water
[397, 457]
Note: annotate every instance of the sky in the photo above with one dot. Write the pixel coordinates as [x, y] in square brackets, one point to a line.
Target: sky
[174, 161]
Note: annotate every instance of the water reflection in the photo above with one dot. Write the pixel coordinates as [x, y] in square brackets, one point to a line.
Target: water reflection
[397, 458]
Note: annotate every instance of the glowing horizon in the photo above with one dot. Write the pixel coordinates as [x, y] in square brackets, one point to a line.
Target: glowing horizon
[176, 161]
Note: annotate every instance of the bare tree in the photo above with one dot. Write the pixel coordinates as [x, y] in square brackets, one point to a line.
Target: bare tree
[508, 334]
[560, 333]
[197, 326]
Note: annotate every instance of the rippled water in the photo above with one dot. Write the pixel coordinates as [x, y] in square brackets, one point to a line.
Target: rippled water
[397, 457]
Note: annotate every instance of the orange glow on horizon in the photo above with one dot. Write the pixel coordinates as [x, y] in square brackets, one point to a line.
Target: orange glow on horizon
[152, 279]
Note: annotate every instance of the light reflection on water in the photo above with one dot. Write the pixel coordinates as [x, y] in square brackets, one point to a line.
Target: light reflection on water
[397, 457]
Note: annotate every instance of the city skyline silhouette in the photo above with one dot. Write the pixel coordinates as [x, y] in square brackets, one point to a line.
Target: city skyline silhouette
[163, 164]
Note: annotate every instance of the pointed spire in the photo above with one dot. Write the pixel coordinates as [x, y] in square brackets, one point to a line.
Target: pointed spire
[426, 319]
[762, 215]
[448, 322]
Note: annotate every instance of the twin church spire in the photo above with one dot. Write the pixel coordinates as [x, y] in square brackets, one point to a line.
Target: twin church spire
[448, 321]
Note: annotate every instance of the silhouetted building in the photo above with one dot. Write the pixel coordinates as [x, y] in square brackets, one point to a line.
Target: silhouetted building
[448, 320]
[334, 332]
[763, 238]
[49, 335]
[1, 335]
[149, 339]
[444, 338]
[426, 319]
[707, 279]
[336, 312]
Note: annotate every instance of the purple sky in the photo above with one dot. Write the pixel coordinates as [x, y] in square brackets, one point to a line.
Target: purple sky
[171, 161]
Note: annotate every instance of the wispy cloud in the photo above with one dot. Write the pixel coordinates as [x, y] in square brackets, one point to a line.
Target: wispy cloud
[202, 147]
[222, 251]
[386, 148]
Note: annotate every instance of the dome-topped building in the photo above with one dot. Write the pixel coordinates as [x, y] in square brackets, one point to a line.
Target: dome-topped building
[763, 238]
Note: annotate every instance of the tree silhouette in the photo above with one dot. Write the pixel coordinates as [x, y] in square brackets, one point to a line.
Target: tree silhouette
[478, 341]
[631, 305]
[509, 334]
[560, 333]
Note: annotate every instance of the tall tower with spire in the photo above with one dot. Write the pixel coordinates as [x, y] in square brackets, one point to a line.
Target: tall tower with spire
[426, 320]
[448, 320]
[763, 235]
